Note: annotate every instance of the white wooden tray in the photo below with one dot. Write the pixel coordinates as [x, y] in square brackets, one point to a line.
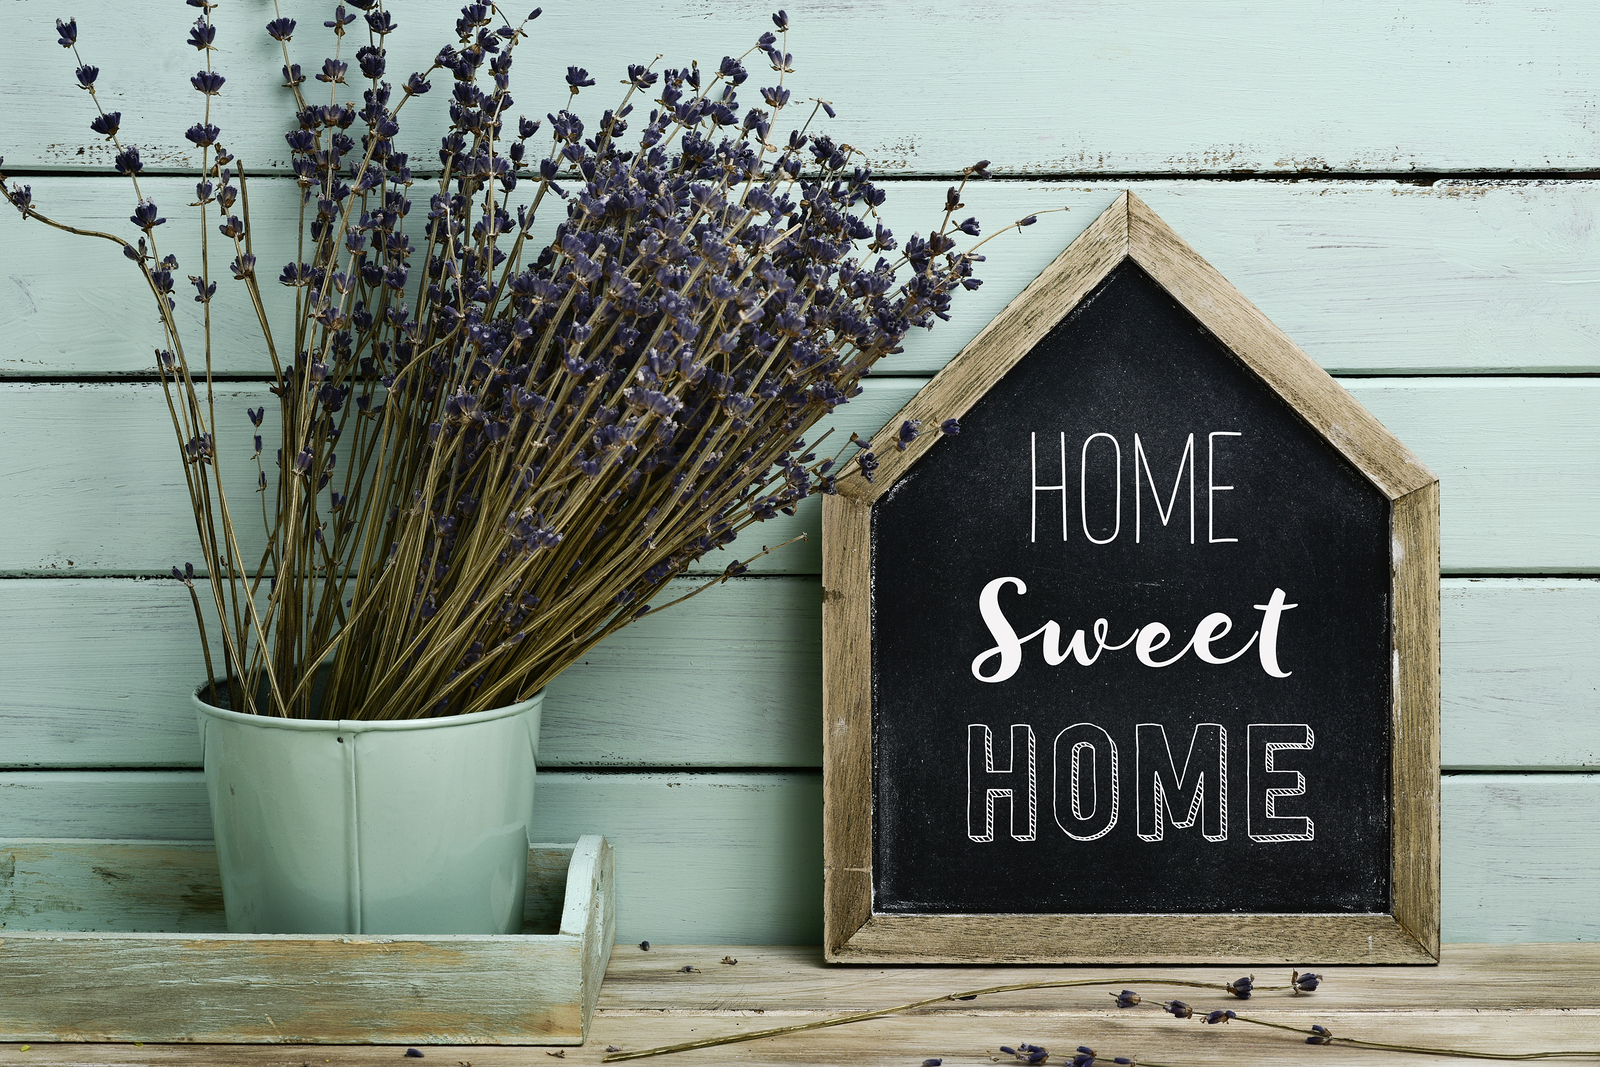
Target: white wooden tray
[123, 943]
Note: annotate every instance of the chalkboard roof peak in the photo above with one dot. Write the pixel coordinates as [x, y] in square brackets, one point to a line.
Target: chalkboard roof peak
[1129, 230]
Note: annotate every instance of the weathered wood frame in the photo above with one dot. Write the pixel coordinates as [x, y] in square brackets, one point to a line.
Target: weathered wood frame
[534, 988]
[854, 933]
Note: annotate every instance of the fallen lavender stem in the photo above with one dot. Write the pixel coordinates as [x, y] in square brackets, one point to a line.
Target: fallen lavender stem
[1321, 1035]
[877, 1013]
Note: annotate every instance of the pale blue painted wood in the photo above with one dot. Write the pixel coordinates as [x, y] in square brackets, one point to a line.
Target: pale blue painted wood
[737, 858]
[1140, 86]
[104, 495]
[1366, 276]
[96, 674]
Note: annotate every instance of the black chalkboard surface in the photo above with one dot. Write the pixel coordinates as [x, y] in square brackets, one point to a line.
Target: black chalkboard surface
[1049, 731]
[1143, 664]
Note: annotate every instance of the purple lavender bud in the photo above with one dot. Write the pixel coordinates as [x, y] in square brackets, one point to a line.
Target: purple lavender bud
[203, 292]
[776, 96]
[980, 169]
[127, 162]
[1084, 1057]
[1219, 1016]
[416, 85]
[415, 1053]
[950, 427]
[333, 70]
[106, 124]
[968, 227]
[932, 1061]
[909, 430]
[258, 444]
[292, 76]
[208, 82]
[535, 13]
[1305, 983]
[1127, 998]
[781, 20]
[1179, 1009]
[341, 19]
[302, 462]
[243, 266]
[67, 32]
[380, 23]
[87, 75]
[828, 109]
[1029, 221]
[372, 62]
[578, 78]
[204, 135]
[281, 29]
[202, 35]
[1320, 1035]
[1241, 988]
[144, 216]
[868, 464]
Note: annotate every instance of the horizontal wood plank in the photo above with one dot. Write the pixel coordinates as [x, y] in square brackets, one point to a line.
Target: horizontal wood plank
[104, 494]
[737, 857]
[973, 1036]
[1485, 997]
[1368, 277]
[99, 670]
[1136, 86]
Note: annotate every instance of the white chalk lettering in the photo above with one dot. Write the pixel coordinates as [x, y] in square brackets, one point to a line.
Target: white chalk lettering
[1172, 502]
[1083, 488]
[1265, 740]
[982, 797]
[1083, 744]
[1002, 660]
[1163, 790]
[1033, 524]
[1212, 488]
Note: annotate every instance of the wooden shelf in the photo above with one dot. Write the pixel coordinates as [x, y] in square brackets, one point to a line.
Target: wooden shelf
[1493, 998]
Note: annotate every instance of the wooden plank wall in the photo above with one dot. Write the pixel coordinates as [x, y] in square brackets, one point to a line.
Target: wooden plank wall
[1407, 187]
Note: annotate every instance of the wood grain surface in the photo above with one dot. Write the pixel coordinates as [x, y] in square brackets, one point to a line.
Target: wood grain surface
[1496, 998]
[537, 986]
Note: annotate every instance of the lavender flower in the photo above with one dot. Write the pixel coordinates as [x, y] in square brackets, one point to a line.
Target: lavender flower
[1304, 983]
[582, 423]
[1241, 987]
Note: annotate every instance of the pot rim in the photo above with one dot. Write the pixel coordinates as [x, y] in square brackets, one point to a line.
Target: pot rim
[431, 722]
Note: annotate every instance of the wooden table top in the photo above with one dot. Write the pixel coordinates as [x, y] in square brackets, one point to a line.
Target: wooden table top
[1489, 998]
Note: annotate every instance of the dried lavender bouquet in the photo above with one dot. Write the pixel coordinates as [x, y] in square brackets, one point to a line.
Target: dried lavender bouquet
[492, 454]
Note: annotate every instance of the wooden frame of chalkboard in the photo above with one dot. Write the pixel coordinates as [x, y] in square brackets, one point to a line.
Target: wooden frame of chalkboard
[1406, 929]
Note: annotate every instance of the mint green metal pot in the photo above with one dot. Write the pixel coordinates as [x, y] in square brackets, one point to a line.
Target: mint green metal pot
[417, 826]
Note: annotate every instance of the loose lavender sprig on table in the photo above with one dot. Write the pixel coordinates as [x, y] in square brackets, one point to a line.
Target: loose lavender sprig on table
[491, 455]
[1127, 998]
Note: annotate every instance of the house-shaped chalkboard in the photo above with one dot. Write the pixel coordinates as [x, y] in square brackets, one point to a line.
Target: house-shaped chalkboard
[1143, 665]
